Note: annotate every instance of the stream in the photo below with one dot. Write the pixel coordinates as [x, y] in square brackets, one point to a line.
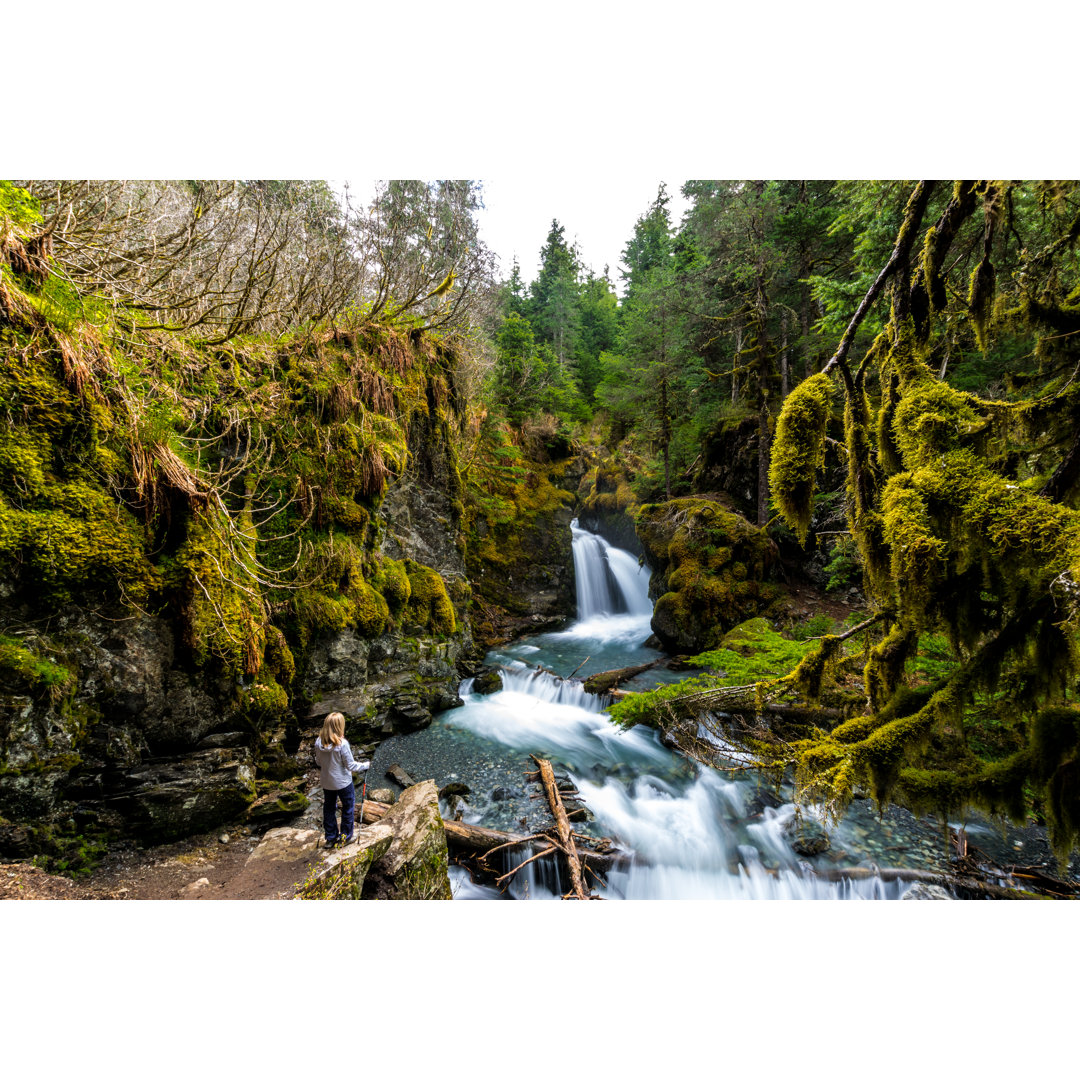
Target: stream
[690, 832]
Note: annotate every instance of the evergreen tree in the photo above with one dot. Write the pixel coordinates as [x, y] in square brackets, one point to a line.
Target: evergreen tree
[555, 295]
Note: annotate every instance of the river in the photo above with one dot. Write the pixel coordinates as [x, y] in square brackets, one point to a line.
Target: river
[690, 832]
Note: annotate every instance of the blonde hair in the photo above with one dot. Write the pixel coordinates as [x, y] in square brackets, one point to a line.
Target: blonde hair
[333, 730]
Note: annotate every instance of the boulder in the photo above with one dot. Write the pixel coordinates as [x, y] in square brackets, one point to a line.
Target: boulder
[278, 805]
[340, 874]
[488, 681]
[415, 866]
[189, 892]
[383, 795]
[710, 570]
[282, 859]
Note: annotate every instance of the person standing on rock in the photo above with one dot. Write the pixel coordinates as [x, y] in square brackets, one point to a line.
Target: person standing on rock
[336, 769]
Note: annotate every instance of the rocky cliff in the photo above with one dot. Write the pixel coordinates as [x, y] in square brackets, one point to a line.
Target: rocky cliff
[202, 550]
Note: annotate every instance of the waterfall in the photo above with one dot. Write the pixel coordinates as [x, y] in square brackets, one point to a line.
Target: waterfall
[689, 832]
[609, 580]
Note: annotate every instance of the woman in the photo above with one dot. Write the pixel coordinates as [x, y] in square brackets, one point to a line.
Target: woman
[336, 769]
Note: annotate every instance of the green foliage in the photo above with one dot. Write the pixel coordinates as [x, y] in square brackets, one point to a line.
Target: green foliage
[753, 652]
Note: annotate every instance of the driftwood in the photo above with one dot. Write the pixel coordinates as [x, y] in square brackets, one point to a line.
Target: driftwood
[604, 681]
[562, 823]
[477, 840]
[398, 774]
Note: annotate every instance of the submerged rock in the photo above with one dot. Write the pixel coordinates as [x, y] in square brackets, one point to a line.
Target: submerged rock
[922, 891]
[808, 837]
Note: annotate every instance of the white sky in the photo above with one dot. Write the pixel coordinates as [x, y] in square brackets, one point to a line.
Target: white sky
[596, 214]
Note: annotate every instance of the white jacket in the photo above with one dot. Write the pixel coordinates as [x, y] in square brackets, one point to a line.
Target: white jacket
[336, 765]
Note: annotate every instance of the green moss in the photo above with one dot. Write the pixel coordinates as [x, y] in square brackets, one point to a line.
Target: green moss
[31, 670]
[392, 581]
[223, 613]
[429, 604]
[278, 658]
[263, 704]
[370, 610]
[798, 451]
[714, 562]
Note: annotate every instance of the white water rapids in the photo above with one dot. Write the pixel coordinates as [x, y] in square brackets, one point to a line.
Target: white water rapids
[689, 832]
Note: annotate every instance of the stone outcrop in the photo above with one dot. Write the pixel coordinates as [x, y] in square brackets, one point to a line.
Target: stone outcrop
[415, 865]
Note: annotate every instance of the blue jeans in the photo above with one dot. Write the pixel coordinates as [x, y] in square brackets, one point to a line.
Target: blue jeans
[347, 795]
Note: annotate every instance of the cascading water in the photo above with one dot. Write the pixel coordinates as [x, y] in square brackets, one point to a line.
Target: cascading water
[609, 580]
[689, 832]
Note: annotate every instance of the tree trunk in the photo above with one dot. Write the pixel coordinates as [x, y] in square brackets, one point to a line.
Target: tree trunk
[783, 360]
[763, 462]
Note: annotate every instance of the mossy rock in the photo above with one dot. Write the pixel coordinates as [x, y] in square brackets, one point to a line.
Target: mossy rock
[429, 605]
[710, 571]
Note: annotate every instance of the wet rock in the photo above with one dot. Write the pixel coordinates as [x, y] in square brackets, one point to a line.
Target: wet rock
[808, 838]
[454, 789]
[488, 681]
[764, 798]
[502, 794]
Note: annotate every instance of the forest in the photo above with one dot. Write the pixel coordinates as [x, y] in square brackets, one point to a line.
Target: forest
[267, 450]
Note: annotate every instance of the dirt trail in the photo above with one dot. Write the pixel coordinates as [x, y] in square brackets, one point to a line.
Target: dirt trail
[173, 871]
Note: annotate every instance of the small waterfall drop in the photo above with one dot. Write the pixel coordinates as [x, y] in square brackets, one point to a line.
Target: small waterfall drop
[609, 580]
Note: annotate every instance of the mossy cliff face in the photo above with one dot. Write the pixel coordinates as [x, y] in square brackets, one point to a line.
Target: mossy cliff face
[607, 505]
[710, 571]
[519, 505]
[198, 545]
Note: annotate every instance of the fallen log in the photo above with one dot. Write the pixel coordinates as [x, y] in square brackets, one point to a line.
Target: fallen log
[562, 823]
[478, 840]
[603, 681]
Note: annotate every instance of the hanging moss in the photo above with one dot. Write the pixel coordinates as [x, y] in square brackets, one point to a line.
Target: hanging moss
[886, 664]
[278, 658]
[224, 614]
[816, 667]
[798, 451]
